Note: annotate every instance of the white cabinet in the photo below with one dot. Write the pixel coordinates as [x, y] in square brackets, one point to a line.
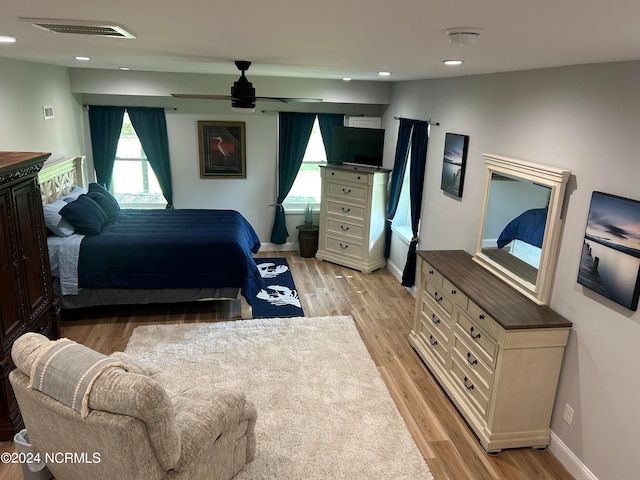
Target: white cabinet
[496, 353]
[352, 216]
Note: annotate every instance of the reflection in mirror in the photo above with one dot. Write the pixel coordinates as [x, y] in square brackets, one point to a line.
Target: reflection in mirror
[520, 228]
[514, 228]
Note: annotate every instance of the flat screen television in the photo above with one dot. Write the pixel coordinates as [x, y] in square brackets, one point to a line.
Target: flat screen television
[362, 146]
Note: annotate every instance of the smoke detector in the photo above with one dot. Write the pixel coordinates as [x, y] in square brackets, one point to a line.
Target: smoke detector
[80, 27]
[464, 36]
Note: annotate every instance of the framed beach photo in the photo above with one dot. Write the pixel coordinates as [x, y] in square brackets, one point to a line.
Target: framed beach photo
[222, 149]
[610, 260]
[454, 162]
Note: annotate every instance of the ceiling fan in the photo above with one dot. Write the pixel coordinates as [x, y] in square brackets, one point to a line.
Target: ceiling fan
[243, 95]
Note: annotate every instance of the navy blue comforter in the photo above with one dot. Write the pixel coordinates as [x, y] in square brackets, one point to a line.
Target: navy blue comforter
[528, 227]
[172, 249]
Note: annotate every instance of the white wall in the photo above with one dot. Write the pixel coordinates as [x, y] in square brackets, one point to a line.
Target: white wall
[254, 195]
[583, 118]
[24, 88]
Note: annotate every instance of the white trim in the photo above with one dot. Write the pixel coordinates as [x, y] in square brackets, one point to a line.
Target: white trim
[404, 232]
[569, 460]
[276, 247]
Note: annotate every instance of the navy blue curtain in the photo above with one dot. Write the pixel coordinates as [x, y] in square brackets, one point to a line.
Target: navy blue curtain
[150, 125]
[293, 138]
[397, 176]
[419, 144]
[327, 121]
[105, 125]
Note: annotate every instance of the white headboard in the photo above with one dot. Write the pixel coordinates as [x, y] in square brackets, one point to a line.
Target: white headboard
[60, 176]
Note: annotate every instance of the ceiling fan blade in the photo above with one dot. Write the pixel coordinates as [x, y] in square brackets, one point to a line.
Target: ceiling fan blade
[289, 99]
[203, 96]
[229, 97]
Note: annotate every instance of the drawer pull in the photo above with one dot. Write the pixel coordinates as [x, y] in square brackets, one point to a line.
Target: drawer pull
[437, 296]
[474, 336]
[346, 191]
[454, 292]
[433, 341]
[345, 210]
[359, 177]
[344, 246]
[470, 386]
[471, 362]
[435, 320]
[430, 272]
[481, 316]
[343, 228]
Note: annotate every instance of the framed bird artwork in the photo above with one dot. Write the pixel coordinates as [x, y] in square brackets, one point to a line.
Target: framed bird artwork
[222, 149]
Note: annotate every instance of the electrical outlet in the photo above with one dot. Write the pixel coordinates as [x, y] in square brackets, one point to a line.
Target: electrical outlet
[568, 414]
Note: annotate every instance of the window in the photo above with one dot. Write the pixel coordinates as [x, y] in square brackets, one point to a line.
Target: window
[134, 184]
[306, 188]
[401, 222]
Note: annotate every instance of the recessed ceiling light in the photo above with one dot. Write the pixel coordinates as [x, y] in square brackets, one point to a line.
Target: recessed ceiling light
[384, 74]
[7, 39]
[452, 62]
[82, 59]
[346, 79]
[125, 68]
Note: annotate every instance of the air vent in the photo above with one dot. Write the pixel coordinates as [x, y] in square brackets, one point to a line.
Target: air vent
[79, 27]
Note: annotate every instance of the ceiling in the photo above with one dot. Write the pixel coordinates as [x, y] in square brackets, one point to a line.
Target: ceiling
[329, 38]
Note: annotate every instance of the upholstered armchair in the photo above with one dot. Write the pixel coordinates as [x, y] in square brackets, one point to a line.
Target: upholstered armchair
[131, 422]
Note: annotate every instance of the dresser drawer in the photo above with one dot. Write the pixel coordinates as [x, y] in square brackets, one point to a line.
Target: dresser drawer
[435, 321]
[348, 192]
[467, 383]
[345, 247]
[451, 291]
[485, 321]
[436, 345]
[431, 275]
[435, 294]
[477, 338]
[468, 357]
[347, 177]
[346, 210]
[345, 229]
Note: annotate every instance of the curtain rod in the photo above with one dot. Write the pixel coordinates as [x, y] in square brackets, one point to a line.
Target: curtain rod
[437, 124]
[286, 111]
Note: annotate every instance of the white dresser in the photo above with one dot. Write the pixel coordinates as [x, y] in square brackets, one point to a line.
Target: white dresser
[353, 213]
[496, 353]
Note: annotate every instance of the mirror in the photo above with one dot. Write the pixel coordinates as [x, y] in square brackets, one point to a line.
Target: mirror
[520, 227]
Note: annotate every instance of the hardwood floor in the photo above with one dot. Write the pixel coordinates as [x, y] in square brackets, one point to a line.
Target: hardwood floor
[383, 312]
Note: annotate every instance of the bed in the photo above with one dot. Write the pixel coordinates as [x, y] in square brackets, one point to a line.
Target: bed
[524, 235]
[109, 256]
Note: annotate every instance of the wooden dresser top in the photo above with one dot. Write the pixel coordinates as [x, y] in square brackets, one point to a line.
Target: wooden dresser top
[508, 307]
[12, 160]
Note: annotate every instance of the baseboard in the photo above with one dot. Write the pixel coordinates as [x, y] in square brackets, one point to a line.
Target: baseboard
[276, 247]
[397, 272]
[568, 459]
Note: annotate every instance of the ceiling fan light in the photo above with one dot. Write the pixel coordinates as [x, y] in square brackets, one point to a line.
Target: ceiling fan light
[243, 109]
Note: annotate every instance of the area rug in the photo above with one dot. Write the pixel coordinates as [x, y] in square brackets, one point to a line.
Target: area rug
[324, 412]
[279, 298]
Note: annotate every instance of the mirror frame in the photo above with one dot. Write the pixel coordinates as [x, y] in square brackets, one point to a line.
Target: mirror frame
[556, 179]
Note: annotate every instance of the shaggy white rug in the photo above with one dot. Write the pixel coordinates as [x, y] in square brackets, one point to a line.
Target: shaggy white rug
[324, 411]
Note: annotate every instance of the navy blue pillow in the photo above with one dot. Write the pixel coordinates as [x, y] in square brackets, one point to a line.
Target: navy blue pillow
[103, 197]
[85, 215]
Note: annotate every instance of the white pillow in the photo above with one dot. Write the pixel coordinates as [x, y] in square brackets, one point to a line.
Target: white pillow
[54, 221]
[73, 194]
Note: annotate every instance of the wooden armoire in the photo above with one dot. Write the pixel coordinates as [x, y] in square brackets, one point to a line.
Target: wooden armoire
[26, 294]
